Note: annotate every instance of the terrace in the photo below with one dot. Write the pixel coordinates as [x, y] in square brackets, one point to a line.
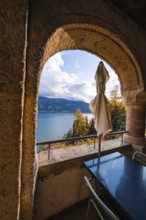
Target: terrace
[50, 155]
[61, 190]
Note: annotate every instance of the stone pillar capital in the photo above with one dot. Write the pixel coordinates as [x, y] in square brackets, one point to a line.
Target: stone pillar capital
[138, 104]
[134, 97]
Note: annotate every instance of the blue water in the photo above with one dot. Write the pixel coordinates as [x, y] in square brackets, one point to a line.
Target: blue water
[52, 126]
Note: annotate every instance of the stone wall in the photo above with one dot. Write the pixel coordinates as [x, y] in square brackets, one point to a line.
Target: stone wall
[59, 186]
[12, 43]
[59, 191]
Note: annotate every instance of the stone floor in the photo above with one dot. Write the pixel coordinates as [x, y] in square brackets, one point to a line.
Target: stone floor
[76, 212]
[75, 151]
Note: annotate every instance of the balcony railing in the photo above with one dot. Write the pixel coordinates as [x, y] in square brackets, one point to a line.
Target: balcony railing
[47, 144]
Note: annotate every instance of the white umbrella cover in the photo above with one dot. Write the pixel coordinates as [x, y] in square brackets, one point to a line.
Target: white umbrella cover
[99, 104]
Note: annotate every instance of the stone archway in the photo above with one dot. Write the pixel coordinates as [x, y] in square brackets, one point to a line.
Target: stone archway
[100, 42]
[88, 28]
[110, 48]
[103, 44]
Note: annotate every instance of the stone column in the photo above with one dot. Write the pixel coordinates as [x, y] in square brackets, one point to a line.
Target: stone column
[135, 124]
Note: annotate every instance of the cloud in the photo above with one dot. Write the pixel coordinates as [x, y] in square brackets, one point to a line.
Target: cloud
[56, 83]
[113, 83]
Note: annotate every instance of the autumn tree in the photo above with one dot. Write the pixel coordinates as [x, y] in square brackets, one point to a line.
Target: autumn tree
[80, 124]
[117, 109]
[87, 123]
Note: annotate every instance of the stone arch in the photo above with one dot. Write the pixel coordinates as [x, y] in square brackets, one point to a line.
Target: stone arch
[103, 44]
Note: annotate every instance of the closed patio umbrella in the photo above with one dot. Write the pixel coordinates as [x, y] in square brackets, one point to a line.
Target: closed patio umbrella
[99, 104]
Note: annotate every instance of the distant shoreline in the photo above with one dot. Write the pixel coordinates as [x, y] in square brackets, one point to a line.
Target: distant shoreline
[58, 105]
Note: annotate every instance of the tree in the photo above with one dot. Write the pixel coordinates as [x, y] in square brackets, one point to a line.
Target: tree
[92, 129]
[117, 110]
[69, 134]
[80, 124]
[87, 123]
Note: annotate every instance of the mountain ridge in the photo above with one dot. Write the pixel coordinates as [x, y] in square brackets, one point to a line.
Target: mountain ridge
[60, 105]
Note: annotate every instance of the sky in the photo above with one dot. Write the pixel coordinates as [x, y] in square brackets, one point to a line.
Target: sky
[70, 75]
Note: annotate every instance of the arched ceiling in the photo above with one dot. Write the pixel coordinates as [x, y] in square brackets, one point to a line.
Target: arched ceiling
[103, 44]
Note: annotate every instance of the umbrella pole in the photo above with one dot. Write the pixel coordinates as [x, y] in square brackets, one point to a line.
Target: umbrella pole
[99, 145]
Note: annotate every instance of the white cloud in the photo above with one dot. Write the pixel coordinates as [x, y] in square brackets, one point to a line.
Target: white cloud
[56, 83]
[113, 83]
[60, 84]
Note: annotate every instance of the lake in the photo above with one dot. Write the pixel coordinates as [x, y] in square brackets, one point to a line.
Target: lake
[53, 126]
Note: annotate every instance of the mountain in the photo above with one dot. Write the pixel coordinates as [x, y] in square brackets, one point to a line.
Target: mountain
[58, 105]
